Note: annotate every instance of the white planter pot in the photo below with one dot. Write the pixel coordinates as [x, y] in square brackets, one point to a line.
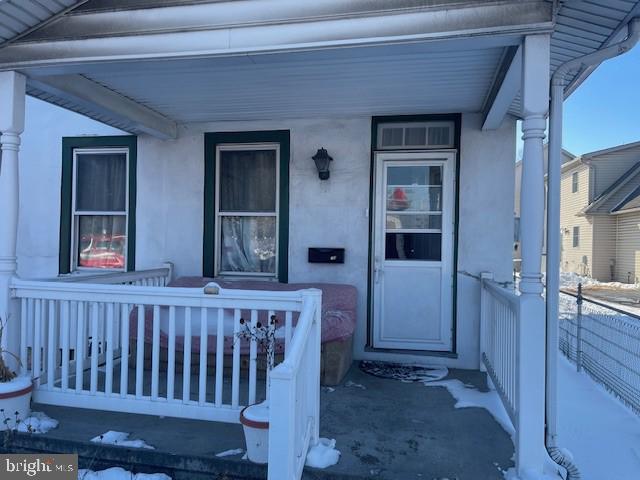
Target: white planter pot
[255, 423]
[15, 396]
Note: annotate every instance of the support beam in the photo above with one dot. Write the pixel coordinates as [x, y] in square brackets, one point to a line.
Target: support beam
[505, 89]
[530, 447]
[12, 100]
[93, 96]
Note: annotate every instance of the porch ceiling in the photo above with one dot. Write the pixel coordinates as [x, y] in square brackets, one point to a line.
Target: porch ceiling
[388, 79]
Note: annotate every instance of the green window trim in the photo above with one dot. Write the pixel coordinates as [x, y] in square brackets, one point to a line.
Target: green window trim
[211, 141]
[69, 144]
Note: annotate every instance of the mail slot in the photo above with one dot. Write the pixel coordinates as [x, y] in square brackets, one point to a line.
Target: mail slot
[326, 255]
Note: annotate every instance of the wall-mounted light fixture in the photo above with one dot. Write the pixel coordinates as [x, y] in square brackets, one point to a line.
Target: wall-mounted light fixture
[322, 160]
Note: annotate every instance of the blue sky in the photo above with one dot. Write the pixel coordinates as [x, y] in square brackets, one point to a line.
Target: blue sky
[605, 110]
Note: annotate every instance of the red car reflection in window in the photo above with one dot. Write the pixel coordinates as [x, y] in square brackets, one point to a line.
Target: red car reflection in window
[102, 251]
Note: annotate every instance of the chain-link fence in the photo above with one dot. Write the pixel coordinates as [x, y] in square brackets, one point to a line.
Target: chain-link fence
[605, 342]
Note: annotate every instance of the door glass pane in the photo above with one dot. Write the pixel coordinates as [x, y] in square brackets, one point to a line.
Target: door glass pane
[248, 244]
[413, 246]
[414, 188]
[248, 181]
[102, 240]
[101, 182]
[397, 221]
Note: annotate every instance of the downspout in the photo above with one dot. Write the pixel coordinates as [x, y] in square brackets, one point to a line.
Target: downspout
[558, 82]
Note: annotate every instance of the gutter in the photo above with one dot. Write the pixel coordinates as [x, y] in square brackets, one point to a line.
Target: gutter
[558, 83]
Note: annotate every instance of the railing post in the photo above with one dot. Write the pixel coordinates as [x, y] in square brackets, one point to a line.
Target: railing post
[579, 329]
[282, 403]
[484, 305]
[314, 296]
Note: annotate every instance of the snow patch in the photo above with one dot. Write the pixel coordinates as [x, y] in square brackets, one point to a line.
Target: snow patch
[328, 389]
[37, 422]
[229, 453]
[117, 473]
[468, 396]
[323, 455]
[571, 280]
[120, 439]
[351, 384]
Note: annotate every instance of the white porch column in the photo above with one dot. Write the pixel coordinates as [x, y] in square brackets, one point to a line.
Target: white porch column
[12, 100]
[530, 454]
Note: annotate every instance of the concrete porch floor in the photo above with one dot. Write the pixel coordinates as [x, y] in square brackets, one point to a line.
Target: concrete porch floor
[387, 430]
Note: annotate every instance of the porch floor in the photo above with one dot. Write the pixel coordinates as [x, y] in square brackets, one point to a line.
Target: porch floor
[386, 430]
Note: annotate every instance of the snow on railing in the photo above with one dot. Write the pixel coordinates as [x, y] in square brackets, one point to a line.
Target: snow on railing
[499, 340]
[154, 277]
[85, 341]
[294, 396]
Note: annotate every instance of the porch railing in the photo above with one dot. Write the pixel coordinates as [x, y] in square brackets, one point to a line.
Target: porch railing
[295, 396]
[76, 340]
[153, 277]
[499, 340]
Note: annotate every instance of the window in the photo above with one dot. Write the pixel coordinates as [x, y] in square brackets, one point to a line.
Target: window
[576, 236]
[247, 209]
[97, 227]
[414, 135]
[246, 204]
[574, 182]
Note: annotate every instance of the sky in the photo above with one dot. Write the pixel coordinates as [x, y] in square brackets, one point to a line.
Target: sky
[605, 110]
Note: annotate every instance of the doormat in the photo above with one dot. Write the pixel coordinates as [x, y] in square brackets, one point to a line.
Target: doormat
[404, 373]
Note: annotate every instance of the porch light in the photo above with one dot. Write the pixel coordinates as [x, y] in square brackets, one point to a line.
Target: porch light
[322, 159]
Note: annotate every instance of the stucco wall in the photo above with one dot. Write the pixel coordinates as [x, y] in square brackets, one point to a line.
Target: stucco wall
[40, 170]
[322, 213]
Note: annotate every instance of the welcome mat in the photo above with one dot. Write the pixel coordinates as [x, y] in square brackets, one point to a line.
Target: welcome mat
[404, 373]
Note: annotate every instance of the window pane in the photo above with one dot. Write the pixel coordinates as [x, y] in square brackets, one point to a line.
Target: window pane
[248, 244]
[392, 137]
[248, 181]
[420, 220]
[102, 240]
[415, 136]
[414, 198]
[440, 136]
[413, 246]
[415, 175]
[101, 182]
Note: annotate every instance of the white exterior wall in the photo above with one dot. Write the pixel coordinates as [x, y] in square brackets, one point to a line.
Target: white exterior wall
[628, 248]
[40, 173]
[170, 190]
[573, 258]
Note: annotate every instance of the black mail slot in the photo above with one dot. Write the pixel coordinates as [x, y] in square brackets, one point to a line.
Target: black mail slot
[326, 255]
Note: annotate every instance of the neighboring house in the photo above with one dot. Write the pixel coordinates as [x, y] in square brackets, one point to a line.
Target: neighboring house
[233, 111]
[599, 216]
[566, 157]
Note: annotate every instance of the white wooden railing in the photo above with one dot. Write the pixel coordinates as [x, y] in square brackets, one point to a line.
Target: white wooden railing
[154, 277]
[294, 396]
[499, 340]
[76, 338]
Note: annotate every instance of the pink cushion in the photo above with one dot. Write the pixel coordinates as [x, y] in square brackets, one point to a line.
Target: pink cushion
[338, 312]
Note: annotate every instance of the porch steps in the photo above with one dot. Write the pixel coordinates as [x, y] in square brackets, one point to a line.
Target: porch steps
[177, 466]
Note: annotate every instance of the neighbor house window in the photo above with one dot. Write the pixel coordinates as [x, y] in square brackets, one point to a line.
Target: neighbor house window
[576, 236]
[574, 182]
[97, 201]
[246, 204]
[247, 209]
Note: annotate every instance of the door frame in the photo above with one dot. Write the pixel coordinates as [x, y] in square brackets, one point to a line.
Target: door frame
[456, 118]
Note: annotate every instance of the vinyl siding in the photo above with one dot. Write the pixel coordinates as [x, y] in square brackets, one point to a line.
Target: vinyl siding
[628, 248]
[607, 168]
[614, 198]
[575, 259]
[604, 247]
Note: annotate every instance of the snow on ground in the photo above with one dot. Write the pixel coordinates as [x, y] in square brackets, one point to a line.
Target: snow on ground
[117, 473]
[602, 434]
[229, 453]
[120, 439]
[37, 422]
[571, 280]
[323, 455]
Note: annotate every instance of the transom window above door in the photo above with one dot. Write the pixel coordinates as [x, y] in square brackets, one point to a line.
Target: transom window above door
[247, 206]
[415, 135]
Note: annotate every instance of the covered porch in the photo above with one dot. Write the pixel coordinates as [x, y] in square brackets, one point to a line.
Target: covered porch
[327, 77]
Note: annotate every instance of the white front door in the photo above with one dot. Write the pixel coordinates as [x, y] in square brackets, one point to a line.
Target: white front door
[413, 251]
